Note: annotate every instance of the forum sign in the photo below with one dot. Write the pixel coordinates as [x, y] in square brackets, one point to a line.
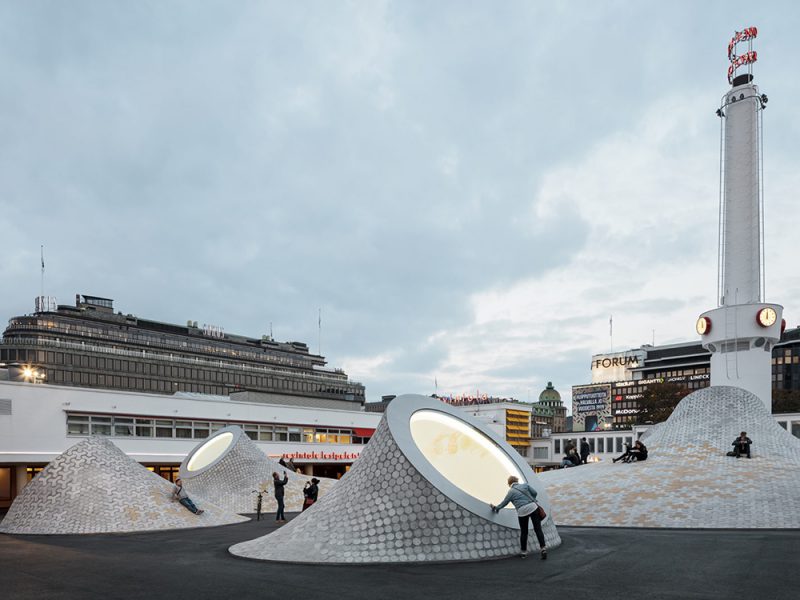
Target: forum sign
[591, 407]
[607, 368]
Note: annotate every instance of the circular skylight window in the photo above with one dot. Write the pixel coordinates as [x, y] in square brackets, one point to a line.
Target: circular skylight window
[460, 456]
[210, 452]
[464, 455]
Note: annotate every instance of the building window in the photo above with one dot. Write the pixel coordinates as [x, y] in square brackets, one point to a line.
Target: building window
[782, 424]
[201, 430]
[557, 446]
[600, 442]
[101, 425]
[164, 429]
[540, 453]
[123, 426]
[77, 425]
[183, 429]
[144, 428]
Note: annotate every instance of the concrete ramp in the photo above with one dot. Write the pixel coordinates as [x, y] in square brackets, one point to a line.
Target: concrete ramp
[94, 487]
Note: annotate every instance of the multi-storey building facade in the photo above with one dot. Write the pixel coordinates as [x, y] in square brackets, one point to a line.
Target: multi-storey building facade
[89, 345]
[620, 380]
[548, 415]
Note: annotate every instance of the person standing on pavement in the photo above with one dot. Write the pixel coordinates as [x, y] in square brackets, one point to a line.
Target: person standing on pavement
[585, 451]
[279, 485]
[523, 497]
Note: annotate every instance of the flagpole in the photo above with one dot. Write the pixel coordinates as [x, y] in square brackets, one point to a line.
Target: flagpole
[319, 334]
[611, 331]
[42, 255]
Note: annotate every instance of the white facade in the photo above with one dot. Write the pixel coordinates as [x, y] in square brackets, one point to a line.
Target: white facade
[33, 424]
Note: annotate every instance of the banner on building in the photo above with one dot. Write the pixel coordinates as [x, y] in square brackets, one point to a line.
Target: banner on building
[591, 407]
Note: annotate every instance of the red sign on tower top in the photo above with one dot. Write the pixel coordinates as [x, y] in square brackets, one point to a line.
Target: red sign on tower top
[748, 58]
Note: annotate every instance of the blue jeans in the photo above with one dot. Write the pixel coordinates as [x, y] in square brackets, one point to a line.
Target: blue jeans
[188, 504]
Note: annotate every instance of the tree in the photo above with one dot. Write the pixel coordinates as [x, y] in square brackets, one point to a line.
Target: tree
[659, 401]
[785, 401]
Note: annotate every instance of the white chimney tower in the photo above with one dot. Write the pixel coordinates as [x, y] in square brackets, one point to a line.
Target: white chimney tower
[741, 332]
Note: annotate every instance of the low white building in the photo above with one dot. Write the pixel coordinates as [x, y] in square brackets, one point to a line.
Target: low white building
[38, 422]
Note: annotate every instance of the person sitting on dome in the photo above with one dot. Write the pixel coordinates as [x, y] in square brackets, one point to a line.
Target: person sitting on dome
[741, 445]
[637, 453]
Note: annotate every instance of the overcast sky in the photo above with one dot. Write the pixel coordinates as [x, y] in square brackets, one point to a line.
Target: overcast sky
[468, 190]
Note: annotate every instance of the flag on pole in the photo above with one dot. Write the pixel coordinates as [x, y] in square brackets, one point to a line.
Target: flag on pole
[42, 258]
[611, 325]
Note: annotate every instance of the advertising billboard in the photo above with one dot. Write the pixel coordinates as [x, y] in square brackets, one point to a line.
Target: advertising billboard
[591, 407]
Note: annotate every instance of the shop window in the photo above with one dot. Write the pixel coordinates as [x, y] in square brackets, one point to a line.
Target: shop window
[294, 434]
[31, 472]
[200, 430]
[5, 483]
[557, 446]
[619, 444]
[591, 444]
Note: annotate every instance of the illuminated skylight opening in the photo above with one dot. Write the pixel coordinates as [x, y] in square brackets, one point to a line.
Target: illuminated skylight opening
[463, 455]
[210, 451]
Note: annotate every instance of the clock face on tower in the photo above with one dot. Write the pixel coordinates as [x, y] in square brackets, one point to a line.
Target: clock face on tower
[767, 316]
[703, 325]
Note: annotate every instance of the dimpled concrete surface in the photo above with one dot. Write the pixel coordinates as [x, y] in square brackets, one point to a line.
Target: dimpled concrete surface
[94, 487]
[230, 482]
[687, 480]
[383, 510]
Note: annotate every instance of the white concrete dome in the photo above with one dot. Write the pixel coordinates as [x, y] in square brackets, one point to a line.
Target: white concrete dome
[227, 467]
[687, 480]
[94, 487]
[407, 498]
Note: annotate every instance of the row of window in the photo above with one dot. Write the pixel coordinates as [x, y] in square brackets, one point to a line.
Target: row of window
[143, 337]
[115, 426]
[206, 381]
[150, 363]
[599, 445]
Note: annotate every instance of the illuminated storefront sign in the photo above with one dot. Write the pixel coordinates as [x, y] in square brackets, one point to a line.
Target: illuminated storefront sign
[322, 455]
[616, 367]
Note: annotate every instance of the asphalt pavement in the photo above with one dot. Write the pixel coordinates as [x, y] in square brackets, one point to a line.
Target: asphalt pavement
[591, 564]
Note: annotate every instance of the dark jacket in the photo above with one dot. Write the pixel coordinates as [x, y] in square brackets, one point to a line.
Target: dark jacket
[311, 491]
[585, 449]
[279, 483]
[639, 452]
[743, 442]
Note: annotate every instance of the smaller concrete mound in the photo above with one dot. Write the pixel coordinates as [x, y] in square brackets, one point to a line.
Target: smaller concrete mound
[688, 481]
[227, 467]
[94, 487]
